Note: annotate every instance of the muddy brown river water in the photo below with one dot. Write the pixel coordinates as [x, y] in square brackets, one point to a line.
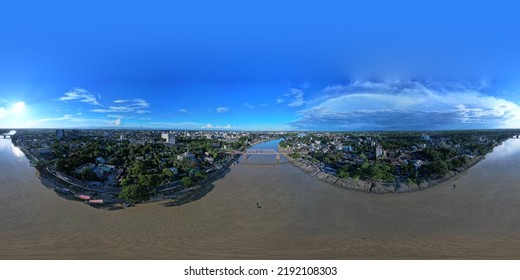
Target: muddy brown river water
[300, 218]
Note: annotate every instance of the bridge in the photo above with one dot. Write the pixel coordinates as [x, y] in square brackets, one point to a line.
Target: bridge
[261, 152]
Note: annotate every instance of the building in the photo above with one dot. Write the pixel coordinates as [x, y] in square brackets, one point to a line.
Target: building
[186, 156]
[379, 151]
[169, 138]
[348, 149]
[60, 133]
[209, 160]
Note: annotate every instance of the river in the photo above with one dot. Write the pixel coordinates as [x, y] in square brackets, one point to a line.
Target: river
[299, 218]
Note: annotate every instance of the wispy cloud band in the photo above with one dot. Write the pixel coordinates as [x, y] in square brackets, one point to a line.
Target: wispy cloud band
[405, 105]
[82, 95]
[222, 109]
[138, 106]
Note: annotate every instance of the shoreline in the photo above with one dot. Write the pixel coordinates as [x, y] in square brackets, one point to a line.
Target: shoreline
[377, 186]
[112, 201]
[193, 191]
[178, 195]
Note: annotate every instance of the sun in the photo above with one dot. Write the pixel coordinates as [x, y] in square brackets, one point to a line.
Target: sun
[18, 108]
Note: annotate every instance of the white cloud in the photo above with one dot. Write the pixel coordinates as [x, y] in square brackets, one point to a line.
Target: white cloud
[210, 126]
[71, 121]
[16, 108]
[65, 117]
[117, 122]
[121, 101]
[178, 125]
[188, 125]
[141, 103]
[294, 98]
[4, 112]
[252, 106]
[186, 111]
[82, 95]
[222, 109]
[406, 105]
[133, 106]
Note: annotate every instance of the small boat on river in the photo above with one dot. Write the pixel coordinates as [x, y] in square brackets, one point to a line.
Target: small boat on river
[96, 202]
[83, 197]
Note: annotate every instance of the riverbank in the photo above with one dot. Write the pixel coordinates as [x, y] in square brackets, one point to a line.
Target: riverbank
[300, 218]
[377, 186]
[108, 199]
[181, 195]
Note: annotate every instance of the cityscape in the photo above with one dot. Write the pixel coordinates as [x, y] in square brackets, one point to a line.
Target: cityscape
[123, 167]
[289, 133]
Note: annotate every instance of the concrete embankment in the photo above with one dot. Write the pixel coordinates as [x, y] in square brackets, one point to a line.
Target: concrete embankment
[375, 186]
[187, 193]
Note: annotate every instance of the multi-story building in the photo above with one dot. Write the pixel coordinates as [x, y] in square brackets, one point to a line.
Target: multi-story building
[60, 133]
[169, 138]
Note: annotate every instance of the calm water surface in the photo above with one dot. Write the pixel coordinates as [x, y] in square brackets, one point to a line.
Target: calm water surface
[300, 218]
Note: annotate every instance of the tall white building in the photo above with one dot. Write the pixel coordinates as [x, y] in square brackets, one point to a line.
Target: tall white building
[379, 151]
[169, 137]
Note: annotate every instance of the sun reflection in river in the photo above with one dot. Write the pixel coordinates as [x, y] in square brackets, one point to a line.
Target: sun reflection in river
[17, 152]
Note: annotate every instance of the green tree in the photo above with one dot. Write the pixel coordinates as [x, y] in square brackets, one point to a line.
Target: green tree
[40, 164]
[186, 182]
[167, 173]
[343, 173]
[295, 155]
[134, 193]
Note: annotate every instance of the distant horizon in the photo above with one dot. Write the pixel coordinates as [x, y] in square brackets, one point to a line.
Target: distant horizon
[331, 66]
[262, 131]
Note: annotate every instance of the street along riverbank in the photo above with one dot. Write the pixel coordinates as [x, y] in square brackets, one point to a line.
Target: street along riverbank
[107, 197]
[379, 186]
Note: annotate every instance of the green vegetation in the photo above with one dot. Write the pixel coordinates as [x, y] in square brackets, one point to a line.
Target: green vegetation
[187, 182]
[139, 161]
[295, 155]
[40, 164]
[403, 156]
[343, 172]
[142, 165]
[378, 171]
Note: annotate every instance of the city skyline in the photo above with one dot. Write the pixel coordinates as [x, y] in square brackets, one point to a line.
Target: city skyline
[260, 66]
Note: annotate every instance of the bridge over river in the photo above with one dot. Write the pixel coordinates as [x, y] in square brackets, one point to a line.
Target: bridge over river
[260, 152]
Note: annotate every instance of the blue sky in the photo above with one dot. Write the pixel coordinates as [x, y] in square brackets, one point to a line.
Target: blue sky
[260, 65]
